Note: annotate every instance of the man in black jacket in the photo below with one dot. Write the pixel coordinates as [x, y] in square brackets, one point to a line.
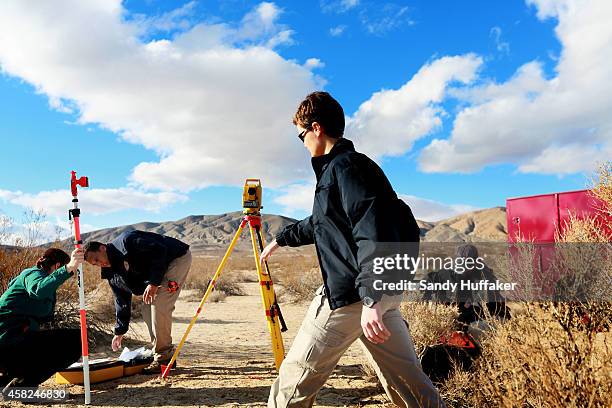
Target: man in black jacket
[355, 215]
[149, 265]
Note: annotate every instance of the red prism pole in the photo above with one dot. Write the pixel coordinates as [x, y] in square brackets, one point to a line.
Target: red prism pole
[74, 214]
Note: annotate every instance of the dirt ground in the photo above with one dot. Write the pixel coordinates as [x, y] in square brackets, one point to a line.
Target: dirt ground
[226, 362]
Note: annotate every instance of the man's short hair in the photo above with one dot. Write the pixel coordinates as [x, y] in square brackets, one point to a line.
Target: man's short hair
[91, 246]
[320, 107]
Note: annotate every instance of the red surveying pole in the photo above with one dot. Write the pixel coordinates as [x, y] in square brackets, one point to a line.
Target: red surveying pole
[74, 214]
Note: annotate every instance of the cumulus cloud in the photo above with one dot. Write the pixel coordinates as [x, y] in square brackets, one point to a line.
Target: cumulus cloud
[313, 63]
[214, 101]
[297, 199]
[500, 45]
[570, 158]
[262, 23]
[337, 31]
[431, 210]
[392, 120]
[338, 6]
[376, 18]
[379, 19]
[178, 19]
[555, 125]
[36, 227]
[97, 201]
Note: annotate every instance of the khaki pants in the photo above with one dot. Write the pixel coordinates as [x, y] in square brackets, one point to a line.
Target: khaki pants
[158, 316]
[324, 337]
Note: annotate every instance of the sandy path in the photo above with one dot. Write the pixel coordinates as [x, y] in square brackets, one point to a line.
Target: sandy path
[227, 361]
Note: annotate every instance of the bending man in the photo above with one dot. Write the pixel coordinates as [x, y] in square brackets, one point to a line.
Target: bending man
[149, 265]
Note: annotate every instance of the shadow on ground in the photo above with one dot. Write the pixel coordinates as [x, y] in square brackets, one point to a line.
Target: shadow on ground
[218, 386]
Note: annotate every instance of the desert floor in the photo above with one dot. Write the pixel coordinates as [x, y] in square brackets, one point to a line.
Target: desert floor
[227, 361]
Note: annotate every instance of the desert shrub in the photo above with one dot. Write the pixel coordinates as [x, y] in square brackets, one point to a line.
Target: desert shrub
[297, 274]
[15, 260]
[552, 354]
[602, 186]
[542, 359]
[428, 321]
[202, 271]
[24, 251]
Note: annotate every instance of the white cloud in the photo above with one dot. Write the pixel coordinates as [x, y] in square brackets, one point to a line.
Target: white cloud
[298, 199]
[261, 22]
[379, 19]
[97, 201]
[550, 8]
[177, 19]
[376, 18]
[431, 210]
[502, 46]
[337, 31]
[392, 120]
[544, 125]
[338, 6]
[214, 101]
[313, 63]
[568, 159]
[34, 229]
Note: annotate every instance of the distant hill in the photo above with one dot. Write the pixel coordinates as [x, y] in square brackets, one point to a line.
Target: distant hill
[474, 226]
[214, 232]
[202, 232]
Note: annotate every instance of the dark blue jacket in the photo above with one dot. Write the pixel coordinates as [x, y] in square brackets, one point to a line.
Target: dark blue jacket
[356, 215]
[138, 259]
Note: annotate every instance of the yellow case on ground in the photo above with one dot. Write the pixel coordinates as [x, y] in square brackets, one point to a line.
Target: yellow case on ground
[97, 373]
[132, 370]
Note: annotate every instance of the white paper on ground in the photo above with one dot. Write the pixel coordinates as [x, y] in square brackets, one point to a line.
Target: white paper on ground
[91, 362]
[127, 355]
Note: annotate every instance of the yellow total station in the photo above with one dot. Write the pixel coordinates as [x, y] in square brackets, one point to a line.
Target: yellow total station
[251, 202]
[251, 197]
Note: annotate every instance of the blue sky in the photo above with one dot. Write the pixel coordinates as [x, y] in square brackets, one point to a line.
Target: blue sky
[168, 105]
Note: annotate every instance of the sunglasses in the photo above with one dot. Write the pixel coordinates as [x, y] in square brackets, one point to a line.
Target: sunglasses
[302, 134]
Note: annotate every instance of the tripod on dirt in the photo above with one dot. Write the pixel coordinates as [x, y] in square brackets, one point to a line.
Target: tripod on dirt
[251, 202]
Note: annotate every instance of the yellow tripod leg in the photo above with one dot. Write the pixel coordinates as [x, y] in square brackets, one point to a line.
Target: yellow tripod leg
[209, 290]
[267, 297]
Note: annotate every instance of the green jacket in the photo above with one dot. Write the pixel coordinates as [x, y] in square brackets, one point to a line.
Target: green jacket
[28, 302]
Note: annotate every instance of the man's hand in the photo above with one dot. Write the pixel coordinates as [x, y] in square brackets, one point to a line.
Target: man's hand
[76, 258]
[116, 344]
[149, 294]
[373, 327]
[266, 253]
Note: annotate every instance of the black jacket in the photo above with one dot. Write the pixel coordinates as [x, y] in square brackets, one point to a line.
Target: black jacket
[137, 258]
[355, 209]
[471, 305]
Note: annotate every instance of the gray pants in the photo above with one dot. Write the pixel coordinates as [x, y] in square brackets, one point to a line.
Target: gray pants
[158, 316]
[324, 337]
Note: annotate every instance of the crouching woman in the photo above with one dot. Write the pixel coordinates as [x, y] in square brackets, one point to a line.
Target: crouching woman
[29, 355]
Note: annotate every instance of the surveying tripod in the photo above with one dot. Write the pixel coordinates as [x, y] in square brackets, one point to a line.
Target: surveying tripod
[251, 202]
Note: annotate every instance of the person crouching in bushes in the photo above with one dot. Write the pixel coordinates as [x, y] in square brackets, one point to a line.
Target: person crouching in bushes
[29, 356]
[477, 309]
[478, 312]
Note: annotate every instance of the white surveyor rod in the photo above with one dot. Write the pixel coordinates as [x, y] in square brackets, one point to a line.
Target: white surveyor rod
[74, 214]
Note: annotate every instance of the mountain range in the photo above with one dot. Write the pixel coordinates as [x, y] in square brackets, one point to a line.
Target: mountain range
[214, 232]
